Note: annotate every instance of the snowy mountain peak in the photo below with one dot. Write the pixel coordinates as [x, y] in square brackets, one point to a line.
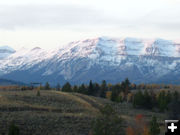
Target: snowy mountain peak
[6, 51]
[97, 59]
[125, 46]
[36, 48]
[129, 46]
[7, 48]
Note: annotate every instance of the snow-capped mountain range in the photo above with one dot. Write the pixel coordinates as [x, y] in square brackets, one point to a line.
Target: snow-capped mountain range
[5, 51]
[103, 58]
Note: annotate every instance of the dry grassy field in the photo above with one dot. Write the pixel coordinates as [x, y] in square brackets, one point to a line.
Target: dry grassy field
[58, 113]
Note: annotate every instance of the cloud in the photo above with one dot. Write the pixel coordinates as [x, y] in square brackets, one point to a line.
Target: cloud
[80, 18]
[164, 19]
[12, 17]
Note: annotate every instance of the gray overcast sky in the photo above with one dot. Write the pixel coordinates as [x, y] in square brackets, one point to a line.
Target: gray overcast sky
[51, 23]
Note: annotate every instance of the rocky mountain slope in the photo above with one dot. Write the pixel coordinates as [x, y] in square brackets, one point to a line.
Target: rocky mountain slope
[141, 60]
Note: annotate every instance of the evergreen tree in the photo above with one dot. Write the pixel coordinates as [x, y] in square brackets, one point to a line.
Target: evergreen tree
[114, 94]
[75, 88]
[153, 98]
[119, 99]
[154, 127]
[82, 89]
[103, 89]
[118, 87]
[174, 107]
[176, 95]
[127, 86]
[67, 87]
[162, 101]
[174, 110]
[90, 88]
[13, 130]
[122, 87]
[147, 100]
[47, 86]
[97, 90]
[138, 99]
[169, 96]
[108, 123]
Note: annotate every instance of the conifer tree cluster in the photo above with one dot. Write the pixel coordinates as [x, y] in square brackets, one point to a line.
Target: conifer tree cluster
[120, 91]
[93, 89]
[164, 101]
[144, 98]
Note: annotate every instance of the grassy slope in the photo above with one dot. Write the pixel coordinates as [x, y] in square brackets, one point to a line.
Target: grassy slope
[56, 113]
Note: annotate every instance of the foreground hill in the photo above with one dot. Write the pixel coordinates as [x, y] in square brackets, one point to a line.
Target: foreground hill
[52, 113]
[141, 60]
[57, 113]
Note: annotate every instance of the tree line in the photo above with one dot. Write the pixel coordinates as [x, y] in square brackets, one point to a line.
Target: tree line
[162, 101]
[145, 96]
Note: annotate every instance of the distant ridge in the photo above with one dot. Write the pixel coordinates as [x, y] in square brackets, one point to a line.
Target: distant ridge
[6, 51]
[6, 82]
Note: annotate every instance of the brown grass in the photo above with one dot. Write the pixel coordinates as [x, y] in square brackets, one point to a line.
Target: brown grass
[57, 113]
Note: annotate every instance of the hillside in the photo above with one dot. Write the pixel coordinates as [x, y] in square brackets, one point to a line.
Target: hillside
[57, 113]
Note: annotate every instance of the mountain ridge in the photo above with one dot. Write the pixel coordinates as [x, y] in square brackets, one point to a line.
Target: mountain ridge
[112, 59]
[5, 82]
[6, 51]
